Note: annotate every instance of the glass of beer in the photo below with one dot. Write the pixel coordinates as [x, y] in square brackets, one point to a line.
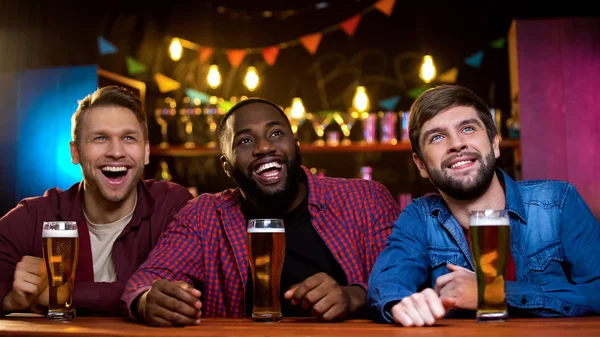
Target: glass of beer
[266, 252]
[489, 233]
[60, 242]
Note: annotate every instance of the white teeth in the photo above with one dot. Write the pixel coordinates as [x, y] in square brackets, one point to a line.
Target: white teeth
[267, 166]
[460, 163]
[114, 168]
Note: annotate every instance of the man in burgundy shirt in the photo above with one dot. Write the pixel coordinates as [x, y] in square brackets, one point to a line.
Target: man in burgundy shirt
[119, 215]
[335, 228]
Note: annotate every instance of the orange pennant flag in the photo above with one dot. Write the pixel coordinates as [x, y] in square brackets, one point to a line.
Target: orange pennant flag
[166, 84]
[385, 6]
[205, 53]
[311, 42]
[236, 56]
[270, 54]
[349, 26]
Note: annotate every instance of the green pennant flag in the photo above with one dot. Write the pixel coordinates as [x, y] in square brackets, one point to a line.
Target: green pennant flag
[135, 67]
[498, 43]
[414, 93]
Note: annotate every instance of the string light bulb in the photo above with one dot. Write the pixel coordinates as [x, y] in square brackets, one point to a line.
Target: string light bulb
[175, 49]
[361, 99]
[214, 77]
[427, 72]
[251, 80]
[298, 111]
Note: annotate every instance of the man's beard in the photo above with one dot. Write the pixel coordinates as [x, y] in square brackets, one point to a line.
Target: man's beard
[276, 202]
[466, 190]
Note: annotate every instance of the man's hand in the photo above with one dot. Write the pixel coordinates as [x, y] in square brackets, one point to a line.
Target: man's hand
[460, 284]
[420, 309]
[170, 304]
[30, 280]
[325, 298]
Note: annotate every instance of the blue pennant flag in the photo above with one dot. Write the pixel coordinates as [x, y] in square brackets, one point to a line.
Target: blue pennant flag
[192, 93]
[389, 103]
[475, 59]
[105, 47]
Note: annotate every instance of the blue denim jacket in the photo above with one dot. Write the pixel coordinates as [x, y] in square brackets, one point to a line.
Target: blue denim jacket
[555, 241]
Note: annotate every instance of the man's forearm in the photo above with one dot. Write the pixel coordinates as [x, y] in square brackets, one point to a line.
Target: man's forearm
[358, 300]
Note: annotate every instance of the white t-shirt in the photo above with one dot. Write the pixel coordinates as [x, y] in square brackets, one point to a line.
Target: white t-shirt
[102, 238]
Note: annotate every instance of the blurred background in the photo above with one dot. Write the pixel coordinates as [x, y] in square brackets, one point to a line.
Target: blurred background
[346, 72]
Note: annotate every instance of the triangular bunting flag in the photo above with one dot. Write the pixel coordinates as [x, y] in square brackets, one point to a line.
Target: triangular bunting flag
[311, 42]
[135, 67]
[414, 93]
[270, 54]
[475, 59]
[105, 47]
[205, 53]
[498, 43]
[166, 84]
[389, 103]
[449, 76]
[349, 26]
[193, 94]
[236, 56]
[385, 6]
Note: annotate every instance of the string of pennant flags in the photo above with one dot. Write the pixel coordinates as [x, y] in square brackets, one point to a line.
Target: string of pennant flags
[310, 42]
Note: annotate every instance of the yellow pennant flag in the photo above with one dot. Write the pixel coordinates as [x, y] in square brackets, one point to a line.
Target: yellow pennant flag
[385, 6]
[311, 42]
[449, 76]
[166, 84]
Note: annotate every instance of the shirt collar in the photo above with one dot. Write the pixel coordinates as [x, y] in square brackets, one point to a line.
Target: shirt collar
[316, 194]
[514, 203]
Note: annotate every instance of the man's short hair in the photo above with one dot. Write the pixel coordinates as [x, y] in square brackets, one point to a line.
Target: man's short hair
[114, 96]
[441, 98]
[223, 122]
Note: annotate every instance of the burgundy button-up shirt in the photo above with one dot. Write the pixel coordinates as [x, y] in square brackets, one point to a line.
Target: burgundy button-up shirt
[21, 234]
[206, 244]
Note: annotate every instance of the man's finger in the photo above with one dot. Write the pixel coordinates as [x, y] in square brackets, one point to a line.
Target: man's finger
[174, 305]
[435, 303]
[448, 302]
[442, 281]
[410, 308]
[306, 286]
[453, 267]
[178, 293]
[424, 310]
[175, 318]
[290, 292]
[323, 306]
[32, 264]
[400, 315]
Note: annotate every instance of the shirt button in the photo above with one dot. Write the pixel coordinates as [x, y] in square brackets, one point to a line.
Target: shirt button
[524, 300]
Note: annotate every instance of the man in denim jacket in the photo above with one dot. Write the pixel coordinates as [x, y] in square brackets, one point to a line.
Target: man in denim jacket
[427, 270]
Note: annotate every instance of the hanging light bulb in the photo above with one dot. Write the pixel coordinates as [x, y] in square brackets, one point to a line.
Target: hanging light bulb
[427, 72]
[251, 80]
[361, 100]
[298, 111]
[214, 77]
[175, 49]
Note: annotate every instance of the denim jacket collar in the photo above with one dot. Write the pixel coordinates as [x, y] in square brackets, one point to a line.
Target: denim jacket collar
[514, 203]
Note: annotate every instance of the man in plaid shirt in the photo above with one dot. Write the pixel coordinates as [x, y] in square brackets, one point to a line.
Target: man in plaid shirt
[335, 229]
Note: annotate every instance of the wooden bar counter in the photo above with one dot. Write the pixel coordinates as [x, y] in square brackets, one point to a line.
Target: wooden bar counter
[219, 327]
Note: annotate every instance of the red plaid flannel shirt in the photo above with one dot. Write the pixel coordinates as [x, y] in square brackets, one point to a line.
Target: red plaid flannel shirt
[206, 243]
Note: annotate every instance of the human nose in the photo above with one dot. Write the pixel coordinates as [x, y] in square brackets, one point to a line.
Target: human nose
[115, 149]
[456, 144]
[263, 147]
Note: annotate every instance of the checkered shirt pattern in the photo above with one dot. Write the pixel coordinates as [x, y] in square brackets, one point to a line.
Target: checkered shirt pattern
[205, 245]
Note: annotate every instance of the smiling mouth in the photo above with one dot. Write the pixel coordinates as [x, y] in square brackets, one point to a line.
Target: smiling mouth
[114, 173]
[268, 170]
[461, 163]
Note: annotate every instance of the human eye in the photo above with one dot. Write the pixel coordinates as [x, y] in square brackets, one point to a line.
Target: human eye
[99, 138]
[276, 133]
[468, 129]
[244, 141]
[435, 138]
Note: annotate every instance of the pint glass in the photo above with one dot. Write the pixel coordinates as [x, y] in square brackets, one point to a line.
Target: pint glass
[60, 242]
[266, 252]
[489, 233]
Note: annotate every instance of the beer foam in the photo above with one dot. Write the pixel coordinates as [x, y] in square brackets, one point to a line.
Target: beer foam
[72, 233]
[489, 222]
[266, 230]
